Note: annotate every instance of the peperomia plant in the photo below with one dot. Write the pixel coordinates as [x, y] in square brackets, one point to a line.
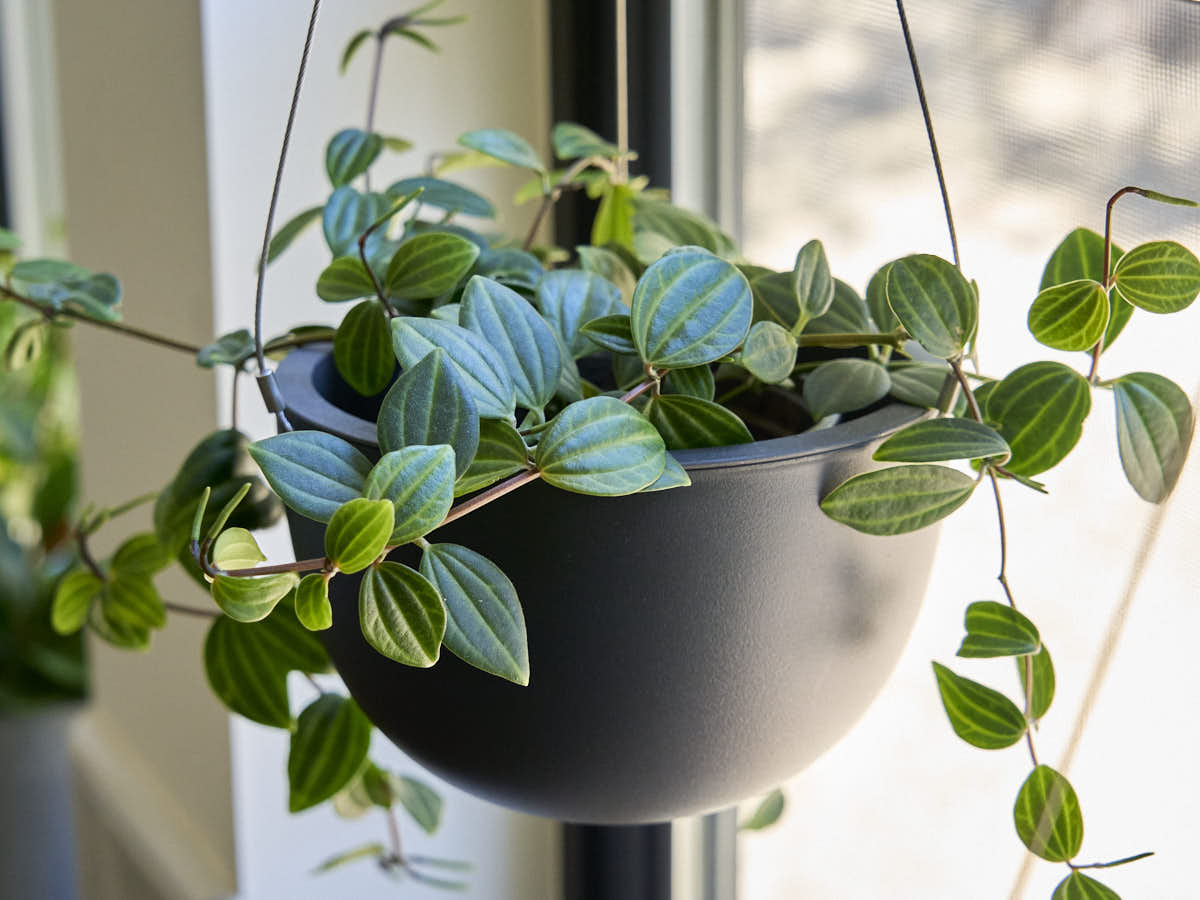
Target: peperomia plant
[496, 362]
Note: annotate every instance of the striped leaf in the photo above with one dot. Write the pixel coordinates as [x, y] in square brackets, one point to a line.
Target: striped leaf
[252, 598]
[1159, 277]
[982, 717]
[934, 303]
[362, 349]
[687, 422]
[1039, 409]
[429, 265]
[601, 446]
[996, 629]
[313, 609]
[1047, 816]
[812, 284]
[429, 405]
[484, 623]
[501, 453]
[898, 499]
[1079, 255]
[613, 333]
[1043, 682]
[1069, 316]
[774, 299]
[937, 440]
[483, 372]
[570, 298]
[73, 600]
[694, 381]
[1154, 431]
[520, 337]
[349, 153]
[312, 472]
[418, 481]
[846, 315]
[674, 475]
[141, 554]
[401, 614]
[133, 601]
[358, 532]
[444, 195]
[346, 278]
[505, 146]
[1078, 886]
[126, 637]
[236, 548]
[690, 308]
[920, 383]
[844, 385]
[329, 745]
[347, 215]
[769, 353]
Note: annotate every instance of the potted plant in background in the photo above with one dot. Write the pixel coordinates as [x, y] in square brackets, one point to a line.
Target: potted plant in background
[537, 384]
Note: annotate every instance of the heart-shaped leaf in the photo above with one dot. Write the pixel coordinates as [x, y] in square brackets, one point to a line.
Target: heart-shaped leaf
[313, 609]
[574, 141]
[934, 303]
[1078, 886]
[694, 381]
[401, 614]
[358, 532]
[73, 600]
[844, 385]
[501, 453]
[312, 472]
[346, 278]
[444, 195]
[251, 599]
[571, 298]
[419, 482]
[1154, 431]
[982, 717]
[236, 548]
[349, 153]
[483, 372]
[690, 308]
[362, 349]
[1159, 277]
[429, 405]
[329, 745]
[485, 626]
[601, 446]
[898, 499]
[996, 629]
[612, 333]
[521, 338]
[504, 146]
[1069, 316]
[1039, 409]
[686, 422]
[938, 440]
[769, 353]
[1047, 816]
[812, 283]
[428, 265]
[347, 215]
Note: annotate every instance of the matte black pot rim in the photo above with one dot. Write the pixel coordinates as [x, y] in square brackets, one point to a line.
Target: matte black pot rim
[296, 383]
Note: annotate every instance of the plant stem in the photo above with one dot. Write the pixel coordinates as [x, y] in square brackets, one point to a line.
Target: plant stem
[121, 328]
[192, 611]
[1115, 862]
[894, 339]
[638, 391]
[493, 493]
[551, 197]
[1105, 280]
[362, 254]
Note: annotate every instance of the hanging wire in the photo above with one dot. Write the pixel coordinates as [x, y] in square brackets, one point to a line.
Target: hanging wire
[266, 379]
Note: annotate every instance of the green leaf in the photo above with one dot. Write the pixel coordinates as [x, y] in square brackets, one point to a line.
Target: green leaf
[25, 345]
[429, 265]
[231, 349]
[347, 215]
[328, 746]
[601, 446]
[1043, 682]
[573, 141]
[501, 453]
[769, 353]
[312, 602]
[1154, 431]
[609, 266]
[812, 284]
[312, 472]
[290, 230]
[247, 664]
[251, 599]
[132, 601]
[73, 600]
[690, 308]
[1047, 816]
[346, 278]
[1070, 316]
[687, 422]
[373, 850]
[612, 333]
[484, 623]
[119, 634]
[445, 195]
[429, 405]
[766, 814]
[515, 268]
[1078, 886]
[520, 337]
[419, 483]
[420, 801]
[847, 314]
[504, 146]
[877, 301]
[674, 475]
[47, 271]
[358, 533]
[1039, 409]
[349, 153]
[362, 349]
[898, 499]
[570, 299]
[982, 717]
[1079, 255]
[1159, 277]
[352, 47]
[996, 629]
[694, 381]
[483, 372]
[934, 303]
[614, 217]
[401, 614]
[236, 548]
[937, 440]
[844, 385]
[679, 227]
[141, 554]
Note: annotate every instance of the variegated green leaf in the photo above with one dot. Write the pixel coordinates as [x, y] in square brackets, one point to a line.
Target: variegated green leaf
[419, 482]
[329, 745]
[996, 629]
[934, 303]
[358, 532]
[1047, 815]
[313, 608]
[73, 599]
[1159, 277]
[898, 499]
[769, 353]
[501, 453]
[250, 599]
[349, 153]
[1039, 409]
[1069, 316]
[601, 446]
[686, 422]
[428, 265]
[938, 440]
[982, 717]
[571, 298]
[429, 405]
[1155, 422]
[401, 614]
[312, 472]
[844, 385]
[362, 349]
[484, 373]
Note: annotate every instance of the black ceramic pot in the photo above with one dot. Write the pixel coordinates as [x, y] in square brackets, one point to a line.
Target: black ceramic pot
[688, 648]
